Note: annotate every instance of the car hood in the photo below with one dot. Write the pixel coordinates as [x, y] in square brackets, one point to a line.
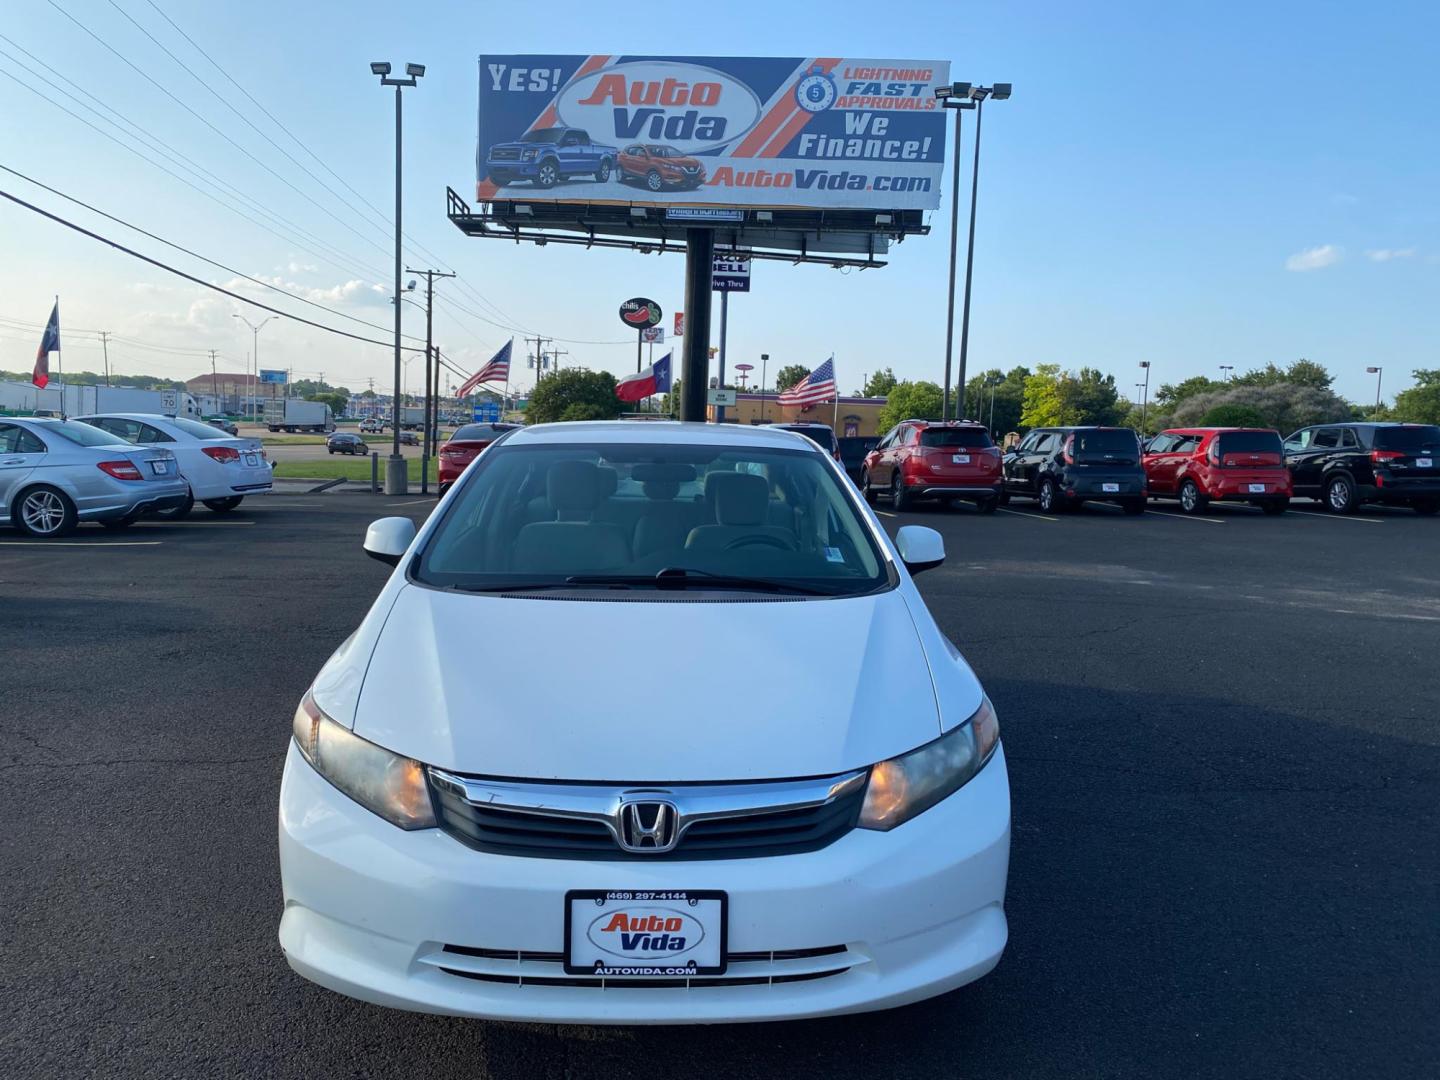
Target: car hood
[646, 691]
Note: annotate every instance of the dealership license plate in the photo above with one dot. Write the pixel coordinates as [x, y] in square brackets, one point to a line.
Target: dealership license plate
[645, 934]
[1257, 489]
[1108, 488]
[159, 468]
[960, 459]
[1424, 463]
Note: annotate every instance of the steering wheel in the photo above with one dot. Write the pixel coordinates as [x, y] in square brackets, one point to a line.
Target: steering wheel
[762, 540]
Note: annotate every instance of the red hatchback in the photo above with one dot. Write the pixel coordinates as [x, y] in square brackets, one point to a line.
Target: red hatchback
[1200, 465]
[935, 459]
[462, 448]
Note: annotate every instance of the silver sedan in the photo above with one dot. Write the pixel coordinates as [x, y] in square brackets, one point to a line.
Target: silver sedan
[56, 473]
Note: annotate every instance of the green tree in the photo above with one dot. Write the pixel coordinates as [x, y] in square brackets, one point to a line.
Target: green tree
[1009, 397]
[1284, 406]
[1233, 415]
[556, 393]
[1091, 398]
[908, 400]
[583, 410]
[1170, 395]
[1421, 403]
[1309, 373]
[337, 402]
[789, 375]
[1043, 402]
[879, 383]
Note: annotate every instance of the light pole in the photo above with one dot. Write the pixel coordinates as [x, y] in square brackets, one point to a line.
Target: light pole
[978, 94]
[255, 352]
[956, 96]
[764, 364]
[395, 477]
[993, 383]
[1145, 398]
[1379, 373]
[1227, 368]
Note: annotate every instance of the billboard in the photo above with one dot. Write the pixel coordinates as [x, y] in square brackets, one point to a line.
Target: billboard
[805, 132]
[269, 376]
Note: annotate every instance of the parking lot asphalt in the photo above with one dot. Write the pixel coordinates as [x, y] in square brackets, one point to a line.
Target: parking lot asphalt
[1222, 736]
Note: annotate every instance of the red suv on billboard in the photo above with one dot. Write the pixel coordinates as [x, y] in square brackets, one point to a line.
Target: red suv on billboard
[1200, 465]
[658, 166]
[464, 444]
[935, 459]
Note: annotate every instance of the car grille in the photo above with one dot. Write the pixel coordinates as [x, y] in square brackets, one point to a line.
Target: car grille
[805, 816]
[501, 154]
[520, 967]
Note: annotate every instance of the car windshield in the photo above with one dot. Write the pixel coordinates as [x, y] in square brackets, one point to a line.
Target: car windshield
[1249, 442]
[650, 516]
[1420, 437]
[200, 431]
[84, 434]
[547, 135]
[975, 438]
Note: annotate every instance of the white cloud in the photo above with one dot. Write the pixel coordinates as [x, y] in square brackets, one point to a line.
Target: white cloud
[301, 268]
[1316, 258]
[1386, 254]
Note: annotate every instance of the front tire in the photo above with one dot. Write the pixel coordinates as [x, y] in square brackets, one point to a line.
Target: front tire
[116, 524]
[1134, 507]
[548, 175]
[1192, 500]
[1427, 507]
[988, 506]
[44, 512]
[865, 489]
[1340, 495]
[225, 505]
[900, 500]
[654, 181]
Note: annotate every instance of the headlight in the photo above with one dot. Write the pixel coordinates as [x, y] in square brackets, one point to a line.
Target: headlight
[903, 787]
[527, 155]
[384, 783]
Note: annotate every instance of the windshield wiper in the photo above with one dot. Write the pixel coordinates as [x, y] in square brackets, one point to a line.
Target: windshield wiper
[678, 577]
[514, 586]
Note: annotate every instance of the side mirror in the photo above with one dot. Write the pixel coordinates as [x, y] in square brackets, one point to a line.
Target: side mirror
[920, 548]
[389, 538]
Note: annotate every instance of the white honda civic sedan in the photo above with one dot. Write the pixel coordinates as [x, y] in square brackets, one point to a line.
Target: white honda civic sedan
[649, 725]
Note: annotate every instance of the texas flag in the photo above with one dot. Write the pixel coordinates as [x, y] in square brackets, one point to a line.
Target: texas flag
[48, 344]
[653, 380]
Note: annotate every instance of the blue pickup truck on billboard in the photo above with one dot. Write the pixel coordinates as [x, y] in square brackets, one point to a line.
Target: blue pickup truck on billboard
[712, 131]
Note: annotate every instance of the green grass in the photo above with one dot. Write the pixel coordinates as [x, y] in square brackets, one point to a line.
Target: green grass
[347, 468]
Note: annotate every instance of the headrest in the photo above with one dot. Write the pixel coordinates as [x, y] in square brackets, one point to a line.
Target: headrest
[609, 481]
[663, 470]
[661, 489]
[740, 499]
[574, 486]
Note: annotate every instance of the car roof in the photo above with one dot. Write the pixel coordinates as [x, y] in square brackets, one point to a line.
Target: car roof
[147, 417]
[790, 425]
[1208, 430]
[944, 423]
[659, 432]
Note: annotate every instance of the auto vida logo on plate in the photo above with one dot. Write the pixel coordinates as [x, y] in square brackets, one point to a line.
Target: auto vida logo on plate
[646, 933]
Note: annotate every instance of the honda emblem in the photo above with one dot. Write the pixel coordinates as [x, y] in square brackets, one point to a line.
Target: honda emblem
[648, 826]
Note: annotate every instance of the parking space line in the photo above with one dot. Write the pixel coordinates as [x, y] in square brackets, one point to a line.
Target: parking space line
[416, 502]
[1185, 517]
[886, 513]
[80, 543]
[1024, 513]
[1337, 517]
[190, 524]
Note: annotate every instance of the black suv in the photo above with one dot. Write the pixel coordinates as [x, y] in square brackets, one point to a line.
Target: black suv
[1062, 467]
[1344, 465]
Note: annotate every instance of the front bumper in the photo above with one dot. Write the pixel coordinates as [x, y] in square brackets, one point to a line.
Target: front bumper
[369, 909]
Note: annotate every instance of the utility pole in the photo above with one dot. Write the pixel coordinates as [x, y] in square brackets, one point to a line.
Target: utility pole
[539, 357]
[555, 355]
[105, 346]
[432, 376]
[214, 386]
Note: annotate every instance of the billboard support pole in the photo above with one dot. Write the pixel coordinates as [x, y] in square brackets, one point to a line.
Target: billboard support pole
[639, 347]
[699, 267]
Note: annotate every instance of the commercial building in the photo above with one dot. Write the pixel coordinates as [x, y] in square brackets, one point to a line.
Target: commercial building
[853, 416]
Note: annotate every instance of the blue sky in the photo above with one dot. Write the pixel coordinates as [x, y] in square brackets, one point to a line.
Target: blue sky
[1188, 184]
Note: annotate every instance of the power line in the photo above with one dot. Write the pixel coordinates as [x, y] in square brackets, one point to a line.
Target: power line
[350, 269]
[173, 97]
[194, 254]
[191, 277]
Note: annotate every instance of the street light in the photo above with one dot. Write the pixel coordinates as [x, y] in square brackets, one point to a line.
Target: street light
[1227, 368]
[964, 96]
[1379, 373]
[395, 476]
[764, 364]
[1145, 398]
[255, 352]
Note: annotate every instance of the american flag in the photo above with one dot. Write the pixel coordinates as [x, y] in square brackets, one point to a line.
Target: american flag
[497, 370]
[814, 388]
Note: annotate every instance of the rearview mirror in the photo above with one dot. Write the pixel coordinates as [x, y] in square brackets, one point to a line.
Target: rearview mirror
[920, 548]
[389, 538]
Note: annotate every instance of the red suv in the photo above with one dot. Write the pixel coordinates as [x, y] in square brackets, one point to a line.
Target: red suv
[1198, 465]
[935, 459]
[464, 444]
[659, 167]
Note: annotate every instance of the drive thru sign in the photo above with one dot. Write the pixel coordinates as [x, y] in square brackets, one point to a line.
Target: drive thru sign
[730, 271]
